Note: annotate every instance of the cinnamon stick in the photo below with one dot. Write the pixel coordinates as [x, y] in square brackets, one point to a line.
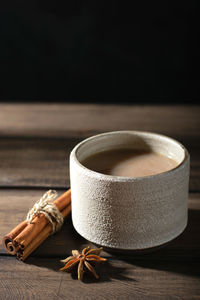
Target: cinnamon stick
[25, 238]
[46, 231]
[8, 239]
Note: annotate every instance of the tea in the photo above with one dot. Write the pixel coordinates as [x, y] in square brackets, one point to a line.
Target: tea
[129, 163]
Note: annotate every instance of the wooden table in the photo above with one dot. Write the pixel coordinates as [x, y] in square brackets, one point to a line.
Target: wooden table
[35, 141]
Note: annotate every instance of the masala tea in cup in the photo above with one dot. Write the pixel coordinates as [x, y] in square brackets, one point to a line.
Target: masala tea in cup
[129, 189]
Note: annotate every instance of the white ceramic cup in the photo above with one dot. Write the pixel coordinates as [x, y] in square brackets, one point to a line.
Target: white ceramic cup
[129, 213]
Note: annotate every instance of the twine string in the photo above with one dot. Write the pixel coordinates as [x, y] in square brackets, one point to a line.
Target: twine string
[46, 206]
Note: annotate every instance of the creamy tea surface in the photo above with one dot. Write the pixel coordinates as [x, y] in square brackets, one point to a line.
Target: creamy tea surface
[129, 163]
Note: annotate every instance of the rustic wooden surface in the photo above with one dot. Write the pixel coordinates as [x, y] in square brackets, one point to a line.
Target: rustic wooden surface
[35, 142]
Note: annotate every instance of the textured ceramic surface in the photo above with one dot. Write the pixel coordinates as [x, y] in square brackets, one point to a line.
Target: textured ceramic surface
[126, 212]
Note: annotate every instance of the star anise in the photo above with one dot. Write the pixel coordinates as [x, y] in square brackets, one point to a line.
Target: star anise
[82, 261]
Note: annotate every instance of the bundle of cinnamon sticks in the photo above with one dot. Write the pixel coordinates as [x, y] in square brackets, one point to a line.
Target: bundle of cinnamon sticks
[25, 238]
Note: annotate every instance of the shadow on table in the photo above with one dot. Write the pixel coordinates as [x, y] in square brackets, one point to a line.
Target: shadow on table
[182, 255]
[59, 246]
[106, 270]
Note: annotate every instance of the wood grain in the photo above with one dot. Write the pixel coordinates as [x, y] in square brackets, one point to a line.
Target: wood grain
[35, 142]
[17, 202]
[36, 162]
[77, 120]
[124, 280]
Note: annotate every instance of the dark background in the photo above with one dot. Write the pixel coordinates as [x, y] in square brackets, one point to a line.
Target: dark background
[104, 51]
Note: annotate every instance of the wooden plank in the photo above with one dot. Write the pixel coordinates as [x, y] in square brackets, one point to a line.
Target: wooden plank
[28, 160]
[37, 162]
[15, 204]
[64, 120]
[124, 280]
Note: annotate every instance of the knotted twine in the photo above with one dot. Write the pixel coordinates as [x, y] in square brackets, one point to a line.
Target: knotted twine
[46, 206]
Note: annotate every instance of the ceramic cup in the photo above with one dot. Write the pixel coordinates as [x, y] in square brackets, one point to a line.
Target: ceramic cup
[130, 213]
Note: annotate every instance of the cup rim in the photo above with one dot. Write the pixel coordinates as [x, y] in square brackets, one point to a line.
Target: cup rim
[106, 177]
